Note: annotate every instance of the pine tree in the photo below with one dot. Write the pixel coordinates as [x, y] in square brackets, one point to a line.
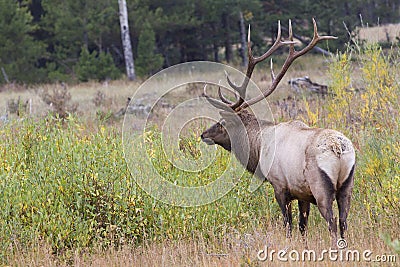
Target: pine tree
[73, 24]
[19, 52]
[96, 66]
[148, 60]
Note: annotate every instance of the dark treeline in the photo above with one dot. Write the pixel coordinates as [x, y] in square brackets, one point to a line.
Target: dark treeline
[79, 40]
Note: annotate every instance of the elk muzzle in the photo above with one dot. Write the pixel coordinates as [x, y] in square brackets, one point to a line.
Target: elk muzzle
[207, 140]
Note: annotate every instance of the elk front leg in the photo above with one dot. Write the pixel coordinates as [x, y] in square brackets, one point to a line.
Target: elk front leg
[304, 211]
[284, 201]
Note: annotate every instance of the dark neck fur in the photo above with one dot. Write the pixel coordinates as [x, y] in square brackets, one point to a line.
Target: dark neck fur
[254, 133]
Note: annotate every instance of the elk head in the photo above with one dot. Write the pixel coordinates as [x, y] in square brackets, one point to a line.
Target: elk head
[217, 134]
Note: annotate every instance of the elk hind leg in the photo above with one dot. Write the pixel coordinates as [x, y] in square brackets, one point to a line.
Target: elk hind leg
[343, 198]
[325, 197]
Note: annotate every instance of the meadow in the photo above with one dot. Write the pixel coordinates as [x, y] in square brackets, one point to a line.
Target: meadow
[68, 197]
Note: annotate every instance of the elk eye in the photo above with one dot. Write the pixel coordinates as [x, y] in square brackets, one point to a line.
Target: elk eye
[223, 123]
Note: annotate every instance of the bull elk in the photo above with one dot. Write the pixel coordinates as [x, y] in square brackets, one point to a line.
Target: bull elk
[311, 165]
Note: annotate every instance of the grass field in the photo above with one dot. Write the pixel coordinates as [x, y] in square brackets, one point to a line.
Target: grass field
[384, 33]
[68, 198]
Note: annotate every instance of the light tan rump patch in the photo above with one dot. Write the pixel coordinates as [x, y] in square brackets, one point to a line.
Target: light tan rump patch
[335, 142]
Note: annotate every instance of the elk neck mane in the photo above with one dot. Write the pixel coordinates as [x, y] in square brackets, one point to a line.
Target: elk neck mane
[253, 128]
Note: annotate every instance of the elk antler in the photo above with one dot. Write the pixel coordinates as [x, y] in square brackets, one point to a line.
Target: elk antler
[225, 104]
[253, 61]
[293, 54]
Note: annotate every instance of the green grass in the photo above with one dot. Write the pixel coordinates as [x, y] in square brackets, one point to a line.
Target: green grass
[65, 186]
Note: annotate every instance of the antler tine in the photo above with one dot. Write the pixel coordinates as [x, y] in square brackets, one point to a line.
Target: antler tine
[242, 89]
[204, 94]
[253, 61]
[248, 38]
[272, 71]
[293, 54]
[316, 38]
[221, 96]
[238, 89]
[277, 44]
[216, 103]
[224, 99]
[291, 47]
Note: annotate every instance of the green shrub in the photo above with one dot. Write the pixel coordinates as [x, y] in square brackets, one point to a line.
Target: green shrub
[68, 186]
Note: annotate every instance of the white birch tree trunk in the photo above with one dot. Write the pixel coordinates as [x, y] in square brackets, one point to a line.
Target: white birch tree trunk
[126, 40]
